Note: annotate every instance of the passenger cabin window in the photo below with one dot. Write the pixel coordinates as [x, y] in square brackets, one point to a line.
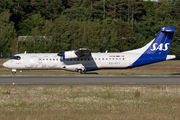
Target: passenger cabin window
[16, 57]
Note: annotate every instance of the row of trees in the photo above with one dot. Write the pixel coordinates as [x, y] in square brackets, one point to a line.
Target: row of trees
[113, 25]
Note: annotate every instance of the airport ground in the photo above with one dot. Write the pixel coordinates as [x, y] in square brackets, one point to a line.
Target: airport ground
[88, 102]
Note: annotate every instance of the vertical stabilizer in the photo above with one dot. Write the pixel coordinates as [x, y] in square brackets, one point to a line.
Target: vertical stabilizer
[158, 49]
[162, 42]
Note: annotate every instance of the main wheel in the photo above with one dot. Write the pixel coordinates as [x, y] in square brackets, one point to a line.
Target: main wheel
[79, 70]
[13, 72]
[83, 72]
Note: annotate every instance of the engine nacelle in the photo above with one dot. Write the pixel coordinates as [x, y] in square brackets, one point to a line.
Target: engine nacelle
[69, 54]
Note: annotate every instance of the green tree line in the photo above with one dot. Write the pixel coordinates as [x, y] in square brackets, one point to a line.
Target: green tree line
[99, 25]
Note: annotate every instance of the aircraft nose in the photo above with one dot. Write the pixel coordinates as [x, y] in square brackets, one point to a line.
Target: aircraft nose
[5, 64]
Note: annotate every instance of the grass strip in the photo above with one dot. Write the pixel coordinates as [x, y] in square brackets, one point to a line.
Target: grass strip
[89, 102]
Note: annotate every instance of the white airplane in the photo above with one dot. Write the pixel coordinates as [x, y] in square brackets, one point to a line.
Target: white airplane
[83, 60]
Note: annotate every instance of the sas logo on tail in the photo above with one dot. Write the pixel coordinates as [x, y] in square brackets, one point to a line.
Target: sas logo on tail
[160, 47]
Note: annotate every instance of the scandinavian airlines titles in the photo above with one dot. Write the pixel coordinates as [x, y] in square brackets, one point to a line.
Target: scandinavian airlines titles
[160, 47]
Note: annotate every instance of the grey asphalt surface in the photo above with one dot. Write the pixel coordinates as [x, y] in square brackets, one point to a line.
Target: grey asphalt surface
[89, 80]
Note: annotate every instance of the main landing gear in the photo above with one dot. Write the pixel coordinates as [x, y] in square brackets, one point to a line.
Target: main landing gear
[82, 71]
[14, 71]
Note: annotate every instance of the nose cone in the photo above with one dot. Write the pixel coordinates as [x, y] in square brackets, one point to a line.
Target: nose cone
[5, 64]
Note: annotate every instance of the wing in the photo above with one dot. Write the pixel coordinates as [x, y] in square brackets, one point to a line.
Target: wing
[83, 52]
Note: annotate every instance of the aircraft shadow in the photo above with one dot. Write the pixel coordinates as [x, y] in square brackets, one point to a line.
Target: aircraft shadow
[175, 74]
[92, 73]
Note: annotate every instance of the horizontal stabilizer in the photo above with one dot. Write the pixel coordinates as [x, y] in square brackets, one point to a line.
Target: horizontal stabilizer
[170, 57]
[168, 31]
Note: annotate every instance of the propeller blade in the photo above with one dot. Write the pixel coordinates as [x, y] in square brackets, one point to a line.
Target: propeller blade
[60, 53]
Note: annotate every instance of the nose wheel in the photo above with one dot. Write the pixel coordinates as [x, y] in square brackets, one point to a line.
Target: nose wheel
[13, 71]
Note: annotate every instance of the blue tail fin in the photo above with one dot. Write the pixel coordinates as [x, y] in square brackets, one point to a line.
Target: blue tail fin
[162, 42]
[159, 48]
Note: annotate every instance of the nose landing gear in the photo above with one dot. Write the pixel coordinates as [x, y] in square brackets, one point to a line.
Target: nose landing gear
[13, 71]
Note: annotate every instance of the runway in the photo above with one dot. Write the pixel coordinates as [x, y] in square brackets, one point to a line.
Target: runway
[89, 80]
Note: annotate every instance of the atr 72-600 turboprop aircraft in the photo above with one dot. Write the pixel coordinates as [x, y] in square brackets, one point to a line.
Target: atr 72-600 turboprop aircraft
[83, 60]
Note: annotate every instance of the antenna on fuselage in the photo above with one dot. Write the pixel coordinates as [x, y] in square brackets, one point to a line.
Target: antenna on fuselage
[25, 52]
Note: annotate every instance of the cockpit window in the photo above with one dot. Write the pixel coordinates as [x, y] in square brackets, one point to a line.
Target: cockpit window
[16, 57]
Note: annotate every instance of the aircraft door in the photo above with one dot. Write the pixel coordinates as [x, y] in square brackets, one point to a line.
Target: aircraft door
[129, 59]
[63, 65]
[40, 60]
